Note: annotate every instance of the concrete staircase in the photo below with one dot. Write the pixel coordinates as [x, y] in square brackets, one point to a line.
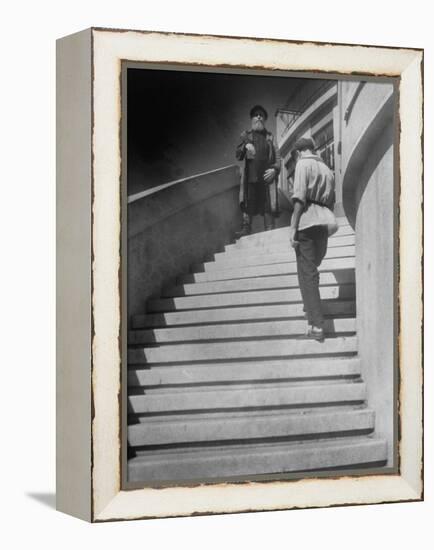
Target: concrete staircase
[220, 386]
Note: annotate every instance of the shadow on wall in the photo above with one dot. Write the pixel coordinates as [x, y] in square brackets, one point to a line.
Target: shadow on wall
[183, 123]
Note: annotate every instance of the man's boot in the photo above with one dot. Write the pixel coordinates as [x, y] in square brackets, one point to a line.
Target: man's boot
[246, 227]
[269, 222]
[313, 333]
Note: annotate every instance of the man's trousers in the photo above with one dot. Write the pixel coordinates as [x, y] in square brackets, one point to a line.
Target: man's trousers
[269, 221]
[310, 252]
[258, 203]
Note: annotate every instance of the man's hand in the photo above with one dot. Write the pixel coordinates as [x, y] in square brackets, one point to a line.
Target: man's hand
[269, 175]
[250, 151]
[292, 237]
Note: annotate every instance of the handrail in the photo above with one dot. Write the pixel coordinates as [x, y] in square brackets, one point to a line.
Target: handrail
[352, 102]
[163, 186]
[154, 205]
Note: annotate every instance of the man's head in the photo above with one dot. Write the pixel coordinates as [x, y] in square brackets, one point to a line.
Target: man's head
[258, 116]
[301, 145]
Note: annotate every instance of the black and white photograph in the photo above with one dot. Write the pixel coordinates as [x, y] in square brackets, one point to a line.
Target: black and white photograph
[260, 275]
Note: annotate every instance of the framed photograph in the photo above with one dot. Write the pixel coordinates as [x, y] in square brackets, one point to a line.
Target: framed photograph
[239, 305]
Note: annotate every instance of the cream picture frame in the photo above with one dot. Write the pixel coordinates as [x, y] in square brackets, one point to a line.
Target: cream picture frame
[90, 304]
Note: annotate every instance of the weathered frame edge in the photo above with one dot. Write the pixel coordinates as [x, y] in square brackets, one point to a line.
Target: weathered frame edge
[73, 275]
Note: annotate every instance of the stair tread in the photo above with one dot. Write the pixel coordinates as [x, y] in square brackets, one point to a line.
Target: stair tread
[247, 415]
[247, 395]
[236, 330]
[245, 427]
[244, 370]
[258, 459]
[327, 278]
[283, 268]
[225, 299]
[199, 351]
[278, 249]
[247, 385]
[275, 233]
[340, 240]
[257, 448]
[234, 260]
[255, 313]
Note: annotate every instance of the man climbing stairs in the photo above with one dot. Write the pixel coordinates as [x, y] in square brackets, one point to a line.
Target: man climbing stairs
[219, 385]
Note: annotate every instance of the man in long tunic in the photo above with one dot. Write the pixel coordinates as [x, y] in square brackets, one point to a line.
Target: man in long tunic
[258, 192]
[311, 224]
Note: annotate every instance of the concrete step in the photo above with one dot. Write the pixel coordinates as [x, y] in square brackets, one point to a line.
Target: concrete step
[342, 276]
[281, 235]
[253, 395]
[263, 239]
[245, 460]
[246, 349]
[239, 371]
[229, 261]
[282, 232]
[231, 314]
[278, 247]
[237, 330]
[233, 384]
[245, 272]
[232, 299]
[183, 417]
[252, 425]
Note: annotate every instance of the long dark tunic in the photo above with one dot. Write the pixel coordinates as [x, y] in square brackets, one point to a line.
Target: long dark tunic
[256, 196]
[257, 202]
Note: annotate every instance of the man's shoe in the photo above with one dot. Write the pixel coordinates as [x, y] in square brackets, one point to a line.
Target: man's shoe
[317, 335]
[313, 334]
[245, 230]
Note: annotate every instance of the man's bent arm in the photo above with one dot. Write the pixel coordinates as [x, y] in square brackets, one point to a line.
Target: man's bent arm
[295, 219]
[240, 151]
[277, 159]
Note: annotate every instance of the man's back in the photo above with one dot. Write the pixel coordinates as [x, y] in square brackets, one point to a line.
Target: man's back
[314, 181]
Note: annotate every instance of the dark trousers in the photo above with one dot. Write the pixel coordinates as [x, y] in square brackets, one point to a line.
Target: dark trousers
[258, 203]
[269, 220]
[310, 252]
[257, 198]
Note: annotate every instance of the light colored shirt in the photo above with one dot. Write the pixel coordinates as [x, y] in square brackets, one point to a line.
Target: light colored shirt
[314, 181]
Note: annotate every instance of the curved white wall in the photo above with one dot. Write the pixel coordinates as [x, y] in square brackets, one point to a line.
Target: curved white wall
[368, 193]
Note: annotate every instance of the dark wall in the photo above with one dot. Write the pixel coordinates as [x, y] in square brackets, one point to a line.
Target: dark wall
[184, 123]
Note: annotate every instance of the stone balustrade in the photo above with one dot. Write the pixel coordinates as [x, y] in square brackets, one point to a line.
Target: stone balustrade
[172, 226]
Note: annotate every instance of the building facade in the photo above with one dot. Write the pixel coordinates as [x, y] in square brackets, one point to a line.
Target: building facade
[311, 111]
